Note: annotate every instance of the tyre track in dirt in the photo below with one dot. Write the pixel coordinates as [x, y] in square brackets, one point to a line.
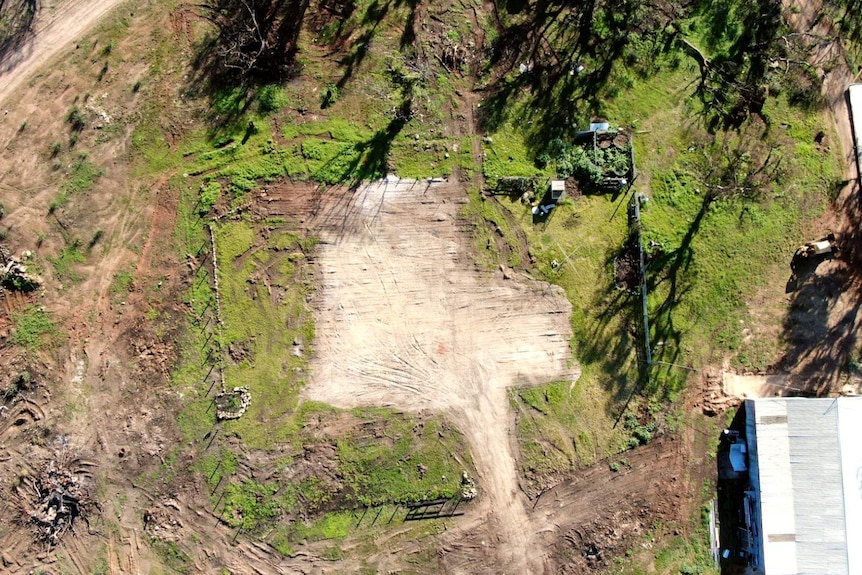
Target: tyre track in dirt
[57, 25]
[404, 318]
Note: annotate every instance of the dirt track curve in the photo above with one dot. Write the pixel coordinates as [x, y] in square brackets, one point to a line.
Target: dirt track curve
[58, 23]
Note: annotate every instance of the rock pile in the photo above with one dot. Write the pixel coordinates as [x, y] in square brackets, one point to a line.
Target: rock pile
[468, 487]
[13, 273]
[232, 404]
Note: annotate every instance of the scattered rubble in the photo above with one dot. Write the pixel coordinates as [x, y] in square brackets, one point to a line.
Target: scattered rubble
[51, 501]
[714, 400]
[159, 522]
[13, 273]
[468, 488]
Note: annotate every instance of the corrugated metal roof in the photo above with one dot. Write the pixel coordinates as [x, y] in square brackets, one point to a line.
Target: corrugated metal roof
[807, 470]
[850, 432]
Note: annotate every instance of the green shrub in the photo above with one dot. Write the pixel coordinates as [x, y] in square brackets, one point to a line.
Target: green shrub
[270, 98]
[208, 196]
[75, 118]
[32, 328]
[84, 173]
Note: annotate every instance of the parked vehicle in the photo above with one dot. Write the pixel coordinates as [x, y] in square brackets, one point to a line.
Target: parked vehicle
[823, 247]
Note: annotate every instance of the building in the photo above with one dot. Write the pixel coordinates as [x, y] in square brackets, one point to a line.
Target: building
[558, 188]
[801, 508]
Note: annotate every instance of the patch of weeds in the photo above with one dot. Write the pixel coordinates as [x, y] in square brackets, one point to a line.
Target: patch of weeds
[208, 196]
[59, 201]
[257, 324]
[330, 526]
[412, 465]
[230, 102]
[641, 433]
[64, 262]
[251, 506]
[122, 284]
[172, 555]
[489, 224]
[76, 120]
[216, 466]
[506, 155]
[82, 175]
[34, 327]
[270, 98]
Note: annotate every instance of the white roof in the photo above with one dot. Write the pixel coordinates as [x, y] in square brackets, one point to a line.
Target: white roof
[806, 465]
[558, 185]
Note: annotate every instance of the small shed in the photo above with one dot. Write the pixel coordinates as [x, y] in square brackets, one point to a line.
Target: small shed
[558, 188]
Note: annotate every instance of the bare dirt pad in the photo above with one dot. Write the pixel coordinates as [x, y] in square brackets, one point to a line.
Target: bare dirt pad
[404, 318]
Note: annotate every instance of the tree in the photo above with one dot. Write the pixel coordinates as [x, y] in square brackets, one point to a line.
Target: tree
[256, 39]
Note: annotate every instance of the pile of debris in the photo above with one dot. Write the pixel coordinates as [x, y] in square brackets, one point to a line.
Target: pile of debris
[468, 488]
[13, 273]
[160, 523]
[232, 404]
[714, 401]
[52, 500]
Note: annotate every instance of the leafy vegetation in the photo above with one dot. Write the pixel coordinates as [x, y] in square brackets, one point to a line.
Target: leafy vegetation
[81, 176]
[34, 328]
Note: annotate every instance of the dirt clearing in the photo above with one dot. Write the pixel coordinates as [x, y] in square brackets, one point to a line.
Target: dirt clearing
[404, 318]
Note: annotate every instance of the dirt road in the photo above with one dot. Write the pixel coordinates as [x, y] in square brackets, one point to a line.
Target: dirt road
[58, 23]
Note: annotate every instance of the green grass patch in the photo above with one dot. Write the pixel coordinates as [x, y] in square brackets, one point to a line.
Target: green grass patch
[380, 458]
[81, 176]
[506, 155]
[123, 282]
[260, 328]
[171, 554]
[410, 465]
[66, 261]
[251, 506]
[34, 329]
[710, 263]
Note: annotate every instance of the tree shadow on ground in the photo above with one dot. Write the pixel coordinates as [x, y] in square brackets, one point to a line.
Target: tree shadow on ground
[673, 269]
[370, 159]
[16, 22]
[611, 332]
[821, 327]
[355, 35]
[558, 61]
[251, 44]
